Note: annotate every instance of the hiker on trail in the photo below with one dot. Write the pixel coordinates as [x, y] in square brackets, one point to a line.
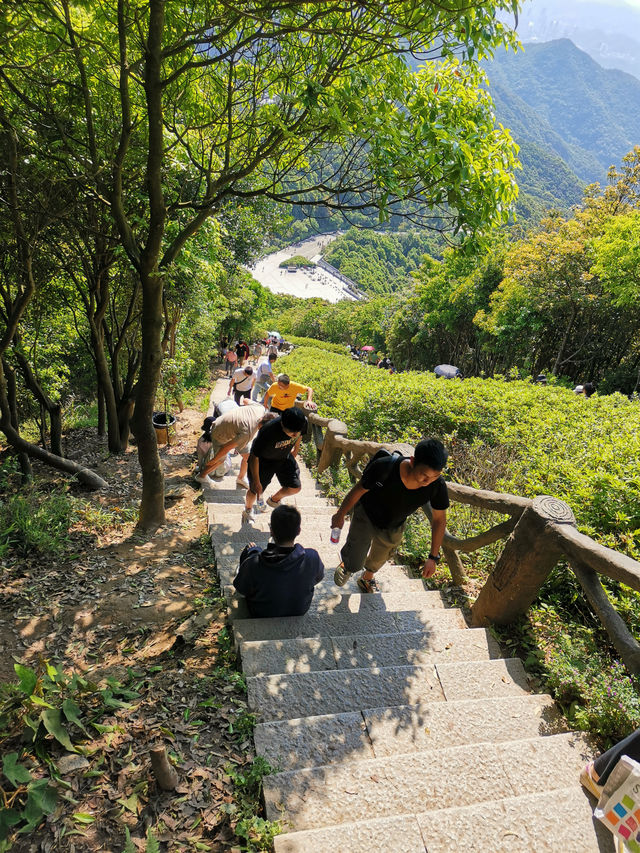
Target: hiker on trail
[257, 351]
[264, 378]
[241, 383]
[230, 360]
[279, 579]
[282, 394]
[274, 452]
[231, 431]
[242, 351]
[391, 488]
[595, 775]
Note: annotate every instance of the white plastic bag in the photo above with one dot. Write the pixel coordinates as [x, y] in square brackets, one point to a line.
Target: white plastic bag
[619, 806]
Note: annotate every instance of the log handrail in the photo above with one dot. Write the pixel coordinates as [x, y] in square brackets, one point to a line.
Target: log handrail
[538, 531]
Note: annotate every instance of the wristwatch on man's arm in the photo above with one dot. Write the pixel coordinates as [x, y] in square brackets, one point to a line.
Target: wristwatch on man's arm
[436, 558]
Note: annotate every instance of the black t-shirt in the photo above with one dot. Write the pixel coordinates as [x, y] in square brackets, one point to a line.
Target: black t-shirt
[272, 442]
[389, 502]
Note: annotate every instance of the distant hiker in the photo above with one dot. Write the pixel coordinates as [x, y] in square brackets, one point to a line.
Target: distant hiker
[242, 351]
[231, 431]
[391, 488]
[241, 383]
[264, 378]
[274, 452]
[231, 359]
[257, 351]
[589, 389]
[282, 394]
[279, 579]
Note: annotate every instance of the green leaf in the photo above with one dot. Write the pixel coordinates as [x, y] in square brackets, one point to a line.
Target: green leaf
[130, 803]
[38, 700]
[16, 773]
[129, 846]
[28, 678]
[8, 818]
[53, 724]
[83, 817]
[72, 713]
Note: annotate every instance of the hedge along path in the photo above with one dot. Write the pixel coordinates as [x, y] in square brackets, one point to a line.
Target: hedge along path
[390, 723]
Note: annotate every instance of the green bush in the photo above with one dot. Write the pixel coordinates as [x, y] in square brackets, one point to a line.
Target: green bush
[32, 522]
[310, 342]
[529, 440]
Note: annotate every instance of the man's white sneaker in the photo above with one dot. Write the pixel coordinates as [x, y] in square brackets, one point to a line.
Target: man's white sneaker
[247, 516]
[273, 504]
[204, 479]
[242, 482]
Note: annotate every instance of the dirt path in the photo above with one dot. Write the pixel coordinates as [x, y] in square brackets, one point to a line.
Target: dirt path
[109, 609]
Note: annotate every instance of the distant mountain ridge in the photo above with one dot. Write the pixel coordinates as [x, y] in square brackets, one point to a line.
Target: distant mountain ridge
[572, 118]
[608, 31]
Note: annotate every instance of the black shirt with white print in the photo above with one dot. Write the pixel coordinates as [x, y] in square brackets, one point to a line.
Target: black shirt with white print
[272, 442]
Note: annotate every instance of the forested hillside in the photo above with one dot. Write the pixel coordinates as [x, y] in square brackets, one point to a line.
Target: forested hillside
[559, 103]
[561, 299]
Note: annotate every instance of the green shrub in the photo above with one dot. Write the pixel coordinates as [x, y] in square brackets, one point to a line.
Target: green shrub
[323, 345]
[515, 437]
[32, 522]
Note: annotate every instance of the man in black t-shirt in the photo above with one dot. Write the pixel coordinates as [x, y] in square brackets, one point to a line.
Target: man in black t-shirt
[390, 490]
[274, 451]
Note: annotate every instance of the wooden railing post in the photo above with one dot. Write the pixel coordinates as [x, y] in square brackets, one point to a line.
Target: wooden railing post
[330, 454]
[528, 557]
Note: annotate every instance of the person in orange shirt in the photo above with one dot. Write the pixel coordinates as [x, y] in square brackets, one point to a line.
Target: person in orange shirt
[282, 395]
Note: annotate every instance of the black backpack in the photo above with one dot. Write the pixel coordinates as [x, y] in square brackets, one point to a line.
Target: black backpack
[381, 454]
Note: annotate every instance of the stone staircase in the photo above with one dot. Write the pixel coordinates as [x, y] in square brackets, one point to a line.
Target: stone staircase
[391, 725]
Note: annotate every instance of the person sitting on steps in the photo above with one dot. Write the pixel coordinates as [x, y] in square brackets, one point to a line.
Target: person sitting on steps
[279, 580]
[389, 491]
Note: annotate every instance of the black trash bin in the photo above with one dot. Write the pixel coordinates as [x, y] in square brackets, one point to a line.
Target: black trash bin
[162, 421]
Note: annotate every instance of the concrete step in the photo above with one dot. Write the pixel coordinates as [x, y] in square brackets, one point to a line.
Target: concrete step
[327, 600]
[391, 578]
[270, 657]
[382, 732]
[340, 625]
[536, 823]
[286, 696]
[422, 782]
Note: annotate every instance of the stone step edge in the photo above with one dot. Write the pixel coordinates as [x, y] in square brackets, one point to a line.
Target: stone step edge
[436, 636]
[287, 842]
[531, 698]
[423, 754]
[353, 671]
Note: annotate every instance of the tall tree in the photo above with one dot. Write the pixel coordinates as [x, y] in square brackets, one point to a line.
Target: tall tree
[167, 111]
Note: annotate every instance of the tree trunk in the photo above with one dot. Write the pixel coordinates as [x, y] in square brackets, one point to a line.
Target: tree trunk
[565, 340]
[85, 476]
[23, 459]
[125, 412]
[106, 386]
[101, 408]
[152, 505]
[54, 410]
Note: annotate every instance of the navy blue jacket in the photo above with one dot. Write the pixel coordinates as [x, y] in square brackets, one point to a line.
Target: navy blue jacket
[278, 581]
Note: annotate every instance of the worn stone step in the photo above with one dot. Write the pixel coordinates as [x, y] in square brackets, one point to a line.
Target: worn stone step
[422, 782]
[340, 625]
[390, 579]
[381, 732]
[327, 601]
[289, 695]
[270, 657]
[558, 821]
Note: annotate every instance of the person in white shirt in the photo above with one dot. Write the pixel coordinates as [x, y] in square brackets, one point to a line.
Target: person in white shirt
[264, 378]
[241, 383]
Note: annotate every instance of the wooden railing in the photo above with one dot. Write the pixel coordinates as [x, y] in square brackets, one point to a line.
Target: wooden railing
[538, 532]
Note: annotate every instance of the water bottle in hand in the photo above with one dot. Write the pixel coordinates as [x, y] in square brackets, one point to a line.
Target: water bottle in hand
[335, 534]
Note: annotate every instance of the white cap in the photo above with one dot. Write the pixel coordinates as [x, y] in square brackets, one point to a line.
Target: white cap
[579, 389]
